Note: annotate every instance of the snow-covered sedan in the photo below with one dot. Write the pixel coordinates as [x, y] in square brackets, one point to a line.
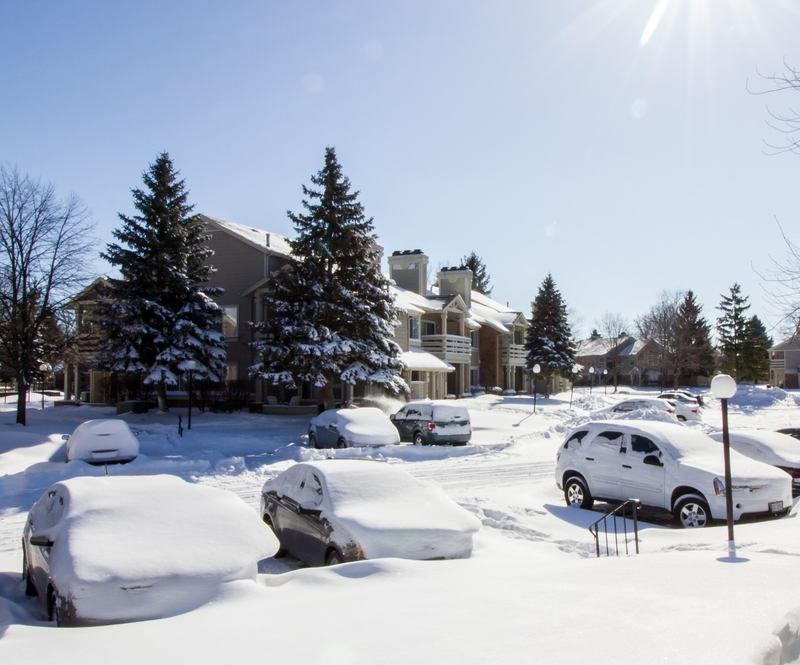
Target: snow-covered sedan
[667, 467]
[775, 448]
[109, 549]
[102, 441]
[336, 510]
[680, 411]
[345, 428]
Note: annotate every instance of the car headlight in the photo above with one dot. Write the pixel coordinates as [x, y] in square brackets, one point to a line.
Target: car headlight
[719, 487]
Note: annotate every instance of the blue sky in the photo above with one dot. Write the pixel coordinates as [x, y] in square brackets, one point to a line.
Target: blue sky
[613, 143]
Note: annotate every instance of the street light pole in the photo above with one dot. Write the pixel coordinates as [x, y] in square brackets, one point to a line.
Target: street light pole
[536, 370]
[190, 366]
[572, 387]
[591, 384]
[724, 387]
[43, 368]
[605, 382]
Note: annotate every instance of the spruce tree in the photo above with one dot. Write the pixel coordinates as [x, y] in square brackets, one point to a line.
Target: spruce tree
[480, 275]
[732, 332]
[755, 364]
[158, 316]
[331, 316]
[548, 341]
[694, 353]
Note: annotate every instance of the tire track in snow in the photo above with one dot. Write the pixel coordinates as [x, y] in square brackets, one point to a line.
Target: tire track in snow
[483, 475]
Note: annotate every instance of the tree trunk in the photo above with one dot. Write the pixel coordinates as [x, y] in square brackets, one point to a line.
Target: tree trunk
[22, 390]
[161, 392]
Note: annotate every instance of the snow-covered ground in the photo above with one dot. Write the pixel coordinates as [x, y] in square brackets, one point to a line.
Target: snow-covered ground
[532, 592]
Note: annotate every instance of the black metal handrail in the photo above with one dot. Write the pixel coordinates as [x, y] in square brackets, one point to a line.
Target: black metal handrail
[631, 506]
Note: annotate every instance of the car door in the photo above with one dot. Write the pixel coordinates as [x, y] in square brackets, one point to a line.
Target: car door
[639, 479]
[312, 531]
[284, 514]
[602, 463]
[399, 420]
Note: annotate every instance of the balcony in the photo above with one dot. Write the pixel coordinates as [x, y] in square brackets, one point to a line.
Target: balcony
[451, 348]
[777, 364]
[514, 355]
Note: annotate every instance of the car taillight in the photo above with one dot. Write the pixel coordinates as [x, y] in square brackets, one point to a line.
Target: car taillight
[431, 426]
[694, 410]
[670, 411]
[796, 473]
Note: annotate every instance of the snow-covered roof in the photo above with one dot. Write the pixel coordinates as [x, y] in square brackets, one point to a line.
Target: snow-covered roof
[421, 361]
[592, 347]
[634, 348]
[259, 238]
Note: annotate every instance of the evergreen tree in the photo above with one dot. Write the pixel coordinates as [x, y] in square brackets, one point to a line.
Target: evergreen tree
[755, 364]
[732, 332]
[480, 275]
[158, 316]
[694, 353]
[595, 334]
[548, 341]
[331, 316]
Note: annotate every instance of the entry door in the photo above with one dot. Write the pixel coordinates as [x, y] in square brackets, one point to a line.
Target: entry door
[603, 464]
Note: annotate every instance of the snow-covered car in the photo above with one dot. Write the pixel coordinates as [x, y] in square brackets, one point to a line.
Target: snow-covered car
[336, 510]
[683, 396]
[344, 428]
[793, 432]
[775, 448]
[667, 467]
[427, 423]
[679, 411]
[99, 550]
[102, 441]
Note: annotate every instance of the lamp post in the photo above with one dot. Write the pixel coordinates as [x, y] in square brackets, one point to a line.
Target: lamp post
[44, 368]
[575, 370]
[190, 366]
[591, 375]
[536, 370]
[724, 387]
[605, 382]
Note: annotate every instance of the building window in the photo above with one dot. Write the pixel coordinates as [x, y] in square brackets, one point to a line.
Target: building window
[777, 355]
[413, 327]
[428, 327]
[233, 372]
[474, 338]
[230, 320]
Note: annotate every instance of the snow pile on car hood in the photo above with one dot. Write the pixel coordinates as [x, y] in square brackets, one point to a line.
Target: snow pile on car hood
[391, 513]
[130, 547]
[768, 447]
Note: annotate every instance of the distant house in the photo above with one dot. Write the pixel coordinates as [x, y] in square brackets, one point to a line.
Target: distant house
[453, 339]
[784, 364]
[638, 362]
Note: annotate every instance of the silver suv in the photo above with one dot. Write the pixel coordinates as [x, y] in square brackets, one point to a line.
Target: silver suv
[667, 467]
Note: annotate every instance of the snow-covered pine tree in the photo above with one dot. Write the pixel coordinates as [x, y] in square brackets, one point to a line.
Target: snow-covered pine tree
[548, 341]
[330, 313]
[694, 353]
[732, 331]
[158, 316]
[755, 364]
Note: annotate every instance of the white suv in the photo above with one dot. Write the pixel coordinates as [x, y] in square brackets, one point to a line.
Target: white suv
[667, 467]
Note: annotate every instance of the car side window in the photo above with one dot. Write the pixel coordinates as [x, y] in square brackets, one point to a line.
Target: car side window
[48, 510]
[401, 414]
[609, 439]
[643, 446]
[291, 483]
[627, 406]
[311, 490]
[576, 439]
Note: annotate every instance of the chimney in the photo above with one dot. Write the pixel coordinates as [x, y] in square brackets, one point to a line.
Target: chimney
[409, 269]
[456, 280]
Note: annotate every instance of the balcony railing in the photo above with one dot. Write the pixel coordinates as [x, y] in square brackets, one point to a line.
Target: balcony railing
[514, 355]
[777, 364]
[453, 348]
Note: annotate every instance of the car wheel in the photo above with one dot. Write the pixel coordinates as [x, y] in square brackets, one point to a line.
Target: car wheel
[30, 588]
[682, 418]
[281, 553]
[692, 512]
[312, 441]
[576, 493]
[419, 440]
[333, 558]
[341, 443]
[54, 612]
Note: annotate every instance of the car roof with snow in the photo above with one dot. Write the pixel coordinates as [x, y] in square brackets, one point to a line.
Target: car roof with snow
[771, 447]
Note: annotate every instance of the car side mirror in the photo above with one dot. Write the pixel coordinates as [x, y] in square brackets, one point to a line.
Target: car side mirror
[652, 460]
[308, 508]
[40, 540]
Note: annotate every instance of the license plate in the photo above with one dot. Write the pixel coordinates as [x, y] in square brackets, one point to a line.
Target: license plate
[776, 506]
[104, 454]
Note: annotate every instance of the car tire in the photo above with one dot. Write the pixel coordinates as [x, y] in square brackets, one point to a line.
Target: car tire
[682, 418]
[281, 553]
[576, 493]
[30, 588]
[312, 441]
[341, 443]
[53, 611]
[333, 558]
[691, 512]
[419, 440]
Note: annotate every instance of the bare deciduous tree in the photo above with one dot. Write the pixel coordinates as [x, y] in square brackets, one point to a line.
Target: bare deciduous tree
[613, 328]
[44, 243]
[660, 325]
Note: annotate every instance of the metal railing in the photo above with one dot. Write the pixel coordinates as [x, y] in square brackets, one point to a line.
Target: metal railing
[623, 510]
[514, 354]
[448, 347]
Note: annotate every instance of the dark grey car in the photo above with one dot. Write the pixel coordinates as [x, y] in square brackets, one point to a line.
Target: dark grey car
[427, 423]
